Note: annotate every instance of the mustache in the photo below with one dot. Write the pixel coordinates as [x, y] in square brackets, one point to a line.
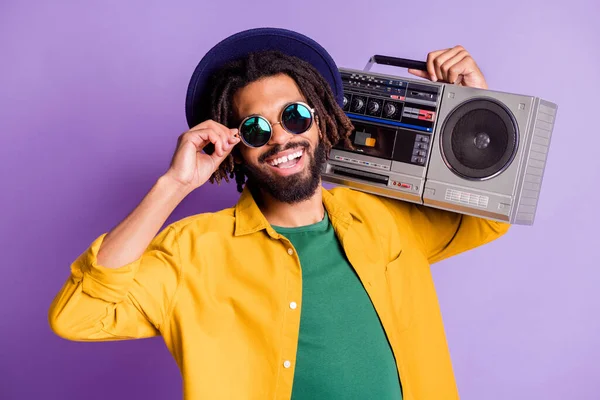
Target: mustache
[274, 150]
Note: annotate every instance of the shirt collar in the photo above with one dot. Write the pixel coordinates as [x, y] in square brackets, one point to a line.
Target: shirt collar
[249, 218]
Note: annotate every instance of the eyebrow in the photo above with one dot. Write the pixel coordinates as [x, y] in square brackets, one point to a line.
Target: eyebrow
[278, 113]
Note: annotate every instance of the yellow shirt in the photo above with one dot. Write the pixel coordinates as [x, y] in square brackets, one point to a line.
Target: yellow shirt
[225, 292]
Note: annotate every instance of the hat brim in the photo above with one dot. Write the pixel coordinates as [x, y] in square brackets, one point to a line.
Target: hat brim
[260, 39]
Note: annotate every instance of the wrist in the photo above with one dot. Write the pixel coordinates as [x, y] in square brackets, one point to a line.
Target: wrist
[173, 186]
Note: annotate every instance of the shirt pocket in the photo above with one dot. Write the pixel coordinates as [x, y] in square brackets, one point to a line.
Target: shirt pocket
[399, 284]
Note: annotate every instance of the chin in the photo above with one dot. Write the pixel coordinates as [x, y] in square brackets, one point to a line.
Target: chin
[296, 183]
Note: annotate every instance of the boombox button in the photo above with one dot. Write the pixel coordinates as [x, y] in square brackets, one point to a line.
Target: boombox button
[402, 185]
[417, 160]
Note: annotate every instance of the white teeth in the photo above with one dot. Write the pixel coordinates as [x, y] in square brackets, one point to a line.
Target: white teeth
[286, 158]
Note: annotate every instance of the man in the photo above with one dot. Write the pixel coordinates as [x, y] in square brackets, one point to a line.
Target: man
[296, 292]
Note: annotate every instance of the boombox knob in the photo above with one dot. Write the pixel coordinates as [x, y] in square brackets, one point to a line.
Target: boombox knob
[373, 107]
[358, 104]
[390, 109]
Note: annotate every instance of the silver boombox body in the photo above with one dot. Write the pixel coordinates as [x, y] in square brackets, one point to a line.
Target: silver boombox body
[472, 151]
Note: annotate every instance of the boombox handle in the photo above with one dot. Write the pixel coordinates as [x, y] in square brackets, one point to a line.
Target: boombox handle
[396, 62]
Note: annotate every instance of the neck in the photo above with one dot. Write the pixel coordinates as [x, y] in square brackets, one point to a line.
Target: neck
[306, 212]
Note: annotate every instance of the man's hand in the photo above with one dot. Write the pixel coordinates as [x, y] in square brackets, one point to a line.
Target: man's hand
[453, 65]
[190, 166]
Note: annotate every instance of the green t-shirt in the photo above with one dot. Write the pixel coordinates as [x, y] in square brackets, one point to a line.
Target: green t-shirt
[343, 352]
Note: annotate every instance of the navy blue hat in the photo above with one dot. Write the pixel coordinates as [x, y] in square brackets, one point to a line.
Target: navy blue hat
[241, 44]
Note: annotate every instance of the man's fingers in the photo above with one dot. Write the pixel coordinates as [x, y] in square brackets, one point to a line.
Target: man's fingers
[419, 73]
[226, 132]
[218, 158]
[201, 137]
[228, 137]
[235, 136]
[430, 64]
[453, 67]
[223, 138]
[440, 62]
[209, 135]
[436, 59]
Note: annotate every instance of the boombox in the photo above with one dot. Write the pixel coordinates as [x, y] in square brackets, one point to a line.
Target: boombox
[472, 151]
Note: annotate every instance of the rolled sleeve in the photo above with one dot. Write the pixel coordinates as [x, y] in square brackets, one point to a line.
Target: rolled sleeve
[108, 284]
[132, 301]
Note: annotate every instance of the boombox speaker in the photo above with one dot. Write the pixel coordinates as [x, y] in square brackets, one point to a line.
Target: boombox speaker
[472, 151]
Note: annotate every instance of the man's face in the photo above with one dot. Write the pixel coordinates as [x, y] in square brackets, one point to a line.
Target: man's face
[294, 180]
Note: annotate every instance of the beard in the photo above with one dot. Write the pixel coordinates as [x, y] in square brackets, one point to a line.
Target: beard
[288, 189]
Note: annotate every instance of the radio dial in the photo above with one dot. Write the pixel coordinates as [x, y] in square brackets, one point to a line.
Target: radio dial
[373, 107]
[390, 109]
[358, 104]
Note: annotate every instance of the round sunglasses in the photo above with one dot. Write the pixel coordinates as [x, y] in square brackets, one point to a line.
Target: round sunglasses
[256, 131]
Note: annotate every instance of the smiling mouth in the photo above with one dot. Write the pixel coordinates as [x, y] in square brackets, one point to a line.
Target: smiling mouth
[287, 161]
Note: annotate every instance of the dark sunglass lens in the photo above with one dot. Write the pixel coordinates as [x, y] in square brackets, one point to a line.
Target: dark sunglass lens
[296, 118]
[256, 131]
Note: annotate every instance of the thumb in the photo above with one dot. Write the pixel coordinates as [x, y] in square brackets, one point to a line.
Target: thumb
[419, 73]
[228, 146]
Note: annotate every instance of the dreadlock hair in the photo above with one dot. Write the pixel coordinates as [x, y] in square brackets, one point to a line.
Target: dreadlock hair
[334, 125]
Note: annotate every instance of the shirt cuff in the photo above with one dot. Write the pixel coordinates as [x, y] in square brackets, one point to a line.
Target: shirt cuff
[108, 284]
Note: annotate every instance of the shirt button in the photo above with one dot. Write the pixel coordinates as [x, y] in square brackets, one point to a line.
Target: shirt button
[293, 305]
[287, 364]
[290, 251]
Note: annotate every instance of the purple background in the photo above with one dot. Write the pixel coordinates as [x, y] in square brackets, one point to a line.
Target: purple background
[91, 104]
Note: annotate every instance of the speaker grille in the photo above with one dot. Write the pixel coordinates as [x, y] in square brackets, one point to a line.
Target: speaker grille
[467, 198]
[479, 139]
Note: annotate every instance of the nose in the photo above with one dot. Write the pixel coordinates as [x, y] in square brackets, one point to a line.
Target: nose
[280, 136]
